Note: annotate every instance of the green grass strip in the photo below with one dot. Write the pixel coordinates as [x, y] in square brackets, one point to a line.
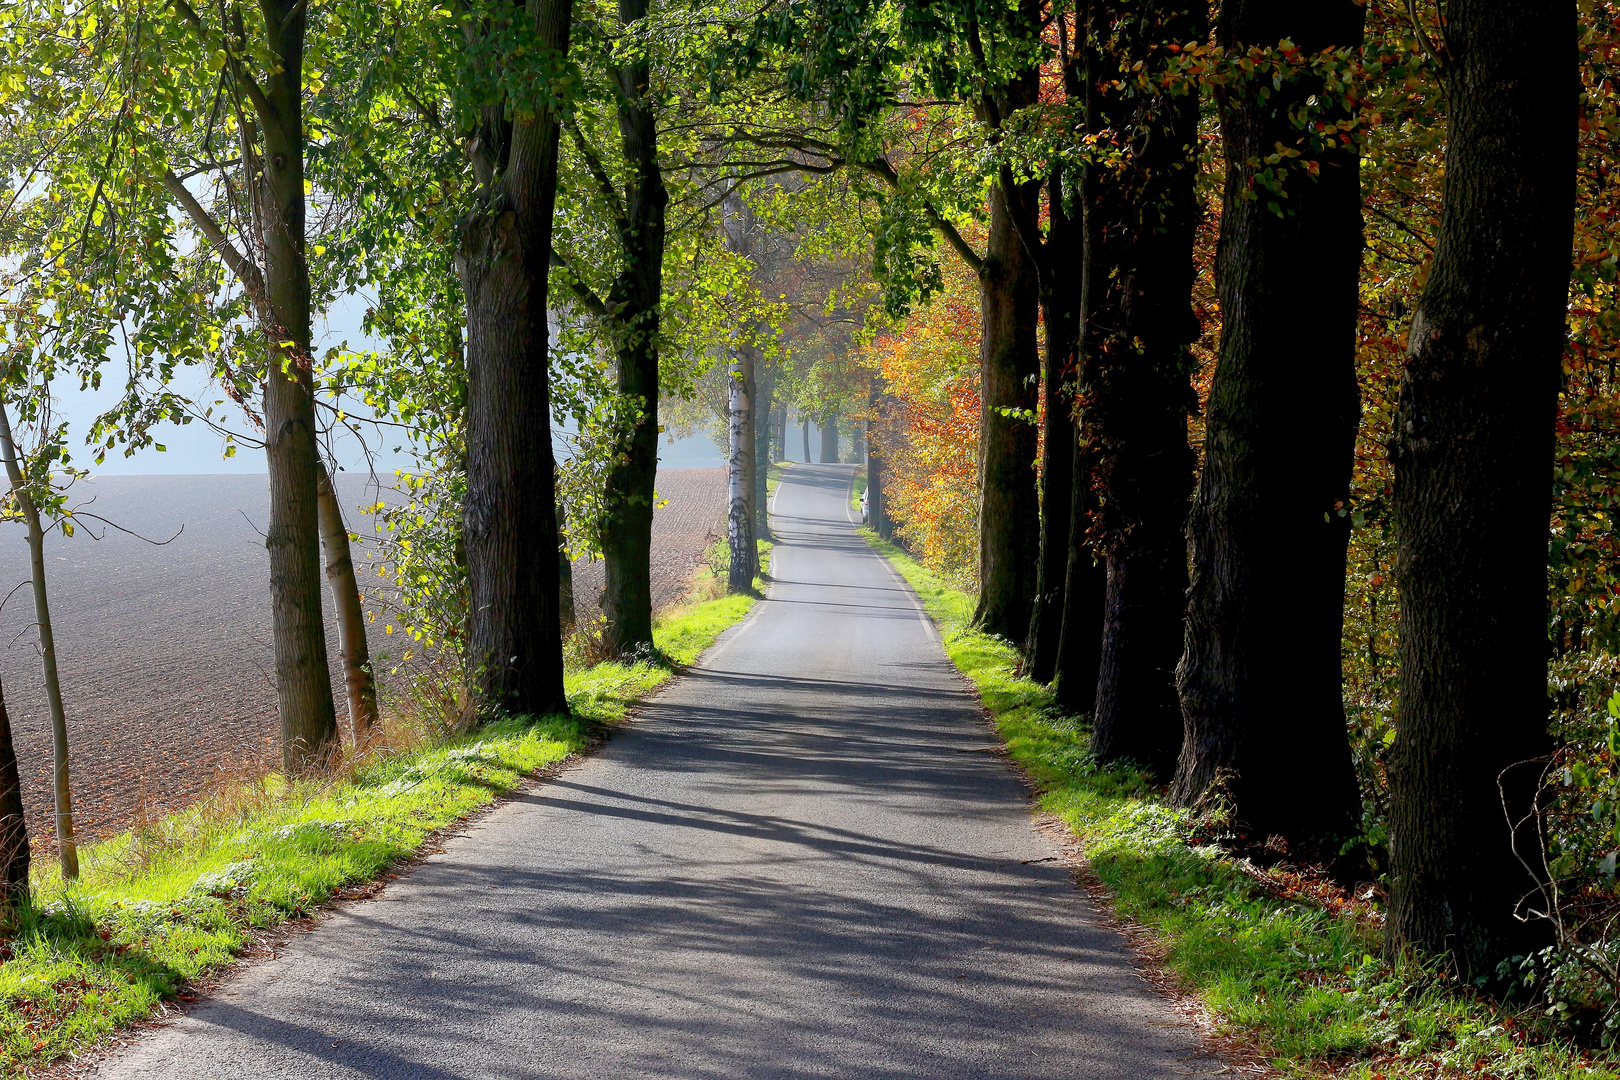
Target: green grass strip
[1300, 984]
[179, 899]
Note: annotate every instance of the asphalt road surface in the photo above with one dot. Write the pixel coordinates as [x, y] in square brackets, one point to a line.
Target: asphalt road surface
[801, 862]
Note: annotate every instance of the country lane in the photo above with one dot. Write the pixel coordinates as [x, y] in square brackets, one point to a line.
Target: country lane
[802, 861]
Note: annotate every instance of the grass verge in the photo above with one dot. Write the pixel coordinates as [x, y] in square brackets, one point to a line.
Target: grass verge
[1295, 983]
[179, 899]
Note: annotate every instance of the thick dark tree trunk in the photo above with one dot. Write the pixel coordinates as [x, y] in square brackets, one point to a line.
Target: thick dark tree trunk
[14, 852]
[1060, 310]
[829, 439]
[309, 732]
[1137, 325]
[1260, 679]
[1009, 373]
[510, 522]
[635, 303]
[1473, 454]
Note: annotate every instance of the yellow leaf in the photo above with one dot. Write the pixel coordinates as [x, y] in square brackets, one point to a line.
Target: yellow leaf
[218, 60]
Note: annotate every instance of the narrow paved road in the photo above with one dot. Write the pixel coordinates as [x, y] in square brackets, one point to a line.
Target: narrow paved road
[801, 862]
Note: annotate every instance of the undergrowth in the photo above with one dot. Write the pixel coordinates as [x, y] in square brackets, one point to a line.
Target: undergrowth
[1297, 983]
[179, 898]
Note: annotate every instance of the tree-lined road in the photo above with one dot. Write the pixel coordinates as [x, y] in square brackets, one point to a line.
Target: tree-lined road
[801, 862]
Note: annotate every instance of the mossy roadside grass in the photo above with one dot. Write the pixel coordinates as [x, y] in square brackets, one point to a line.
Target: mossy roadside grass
[179, 899]
[1293, 983]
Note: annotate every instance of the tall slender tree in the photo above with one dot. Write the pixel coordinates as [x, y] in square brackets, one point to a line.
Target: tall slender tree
[359, 686]
[1260, 680]
[23, 491]
[1472, 455]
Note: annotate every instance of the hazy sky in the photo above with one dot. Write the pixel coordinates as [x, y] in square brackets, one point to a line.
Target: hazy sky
[195, 448]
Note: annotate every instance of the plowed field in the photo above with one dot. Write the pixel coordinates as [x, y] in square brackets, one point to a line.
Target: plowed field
[165, 651]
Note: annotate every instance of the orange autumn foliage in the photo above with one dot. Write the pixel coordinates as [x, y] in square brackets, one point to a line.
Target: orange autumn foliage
[926, 427]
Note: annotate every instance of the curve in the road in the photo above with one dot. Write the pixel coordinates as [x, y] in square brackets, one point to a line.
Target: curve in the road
[803, 861]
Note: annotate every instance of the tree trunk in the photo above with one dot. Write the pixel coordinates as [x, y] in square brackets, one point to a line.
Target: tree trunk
[509, 522]
[566, 617]
[635, 303]
[877, 504]
[829, 439]
[67, 849]
[857, 441]
[764, 425]
[1060, 309]
[351, 620]
[309, 733]
[1079, 654]
[1009, 370]
[1140, 221]
[15, 858]
[806, 422]
[740, 517]
[1473, 455]
[1260, 678]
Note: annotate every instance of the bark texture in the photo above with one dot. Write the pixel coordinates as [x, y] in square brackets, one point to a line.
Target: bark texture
[309, 733]
[1260, 679]
[360, 689]
[1009, 375]
[635, 304]
[764, 429]
[15, 857]
[275, 277]
[566, 617]
[740, 513]
[1137, 324]
[509, 521]
[1473, 453]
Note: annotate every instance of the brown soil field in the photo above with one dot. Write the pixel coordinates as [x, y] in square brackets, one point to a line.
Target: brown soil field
[693, 518]
[165, 651]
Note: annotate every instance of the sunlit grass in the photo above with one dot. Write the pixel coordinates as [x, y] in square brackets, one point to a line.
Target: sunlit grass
[1302, 986]
[180, 897]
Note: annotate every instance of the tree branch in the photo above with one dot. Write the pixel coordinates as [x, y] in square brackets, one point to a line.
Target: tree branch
[593, 164]
[592, 302]
[246, 271]
[881, 168]
[261, 104]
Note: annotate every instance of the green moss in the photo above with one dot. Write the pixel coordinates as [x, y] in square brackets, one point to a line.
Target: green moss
[1299, 982]
[167, 903]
